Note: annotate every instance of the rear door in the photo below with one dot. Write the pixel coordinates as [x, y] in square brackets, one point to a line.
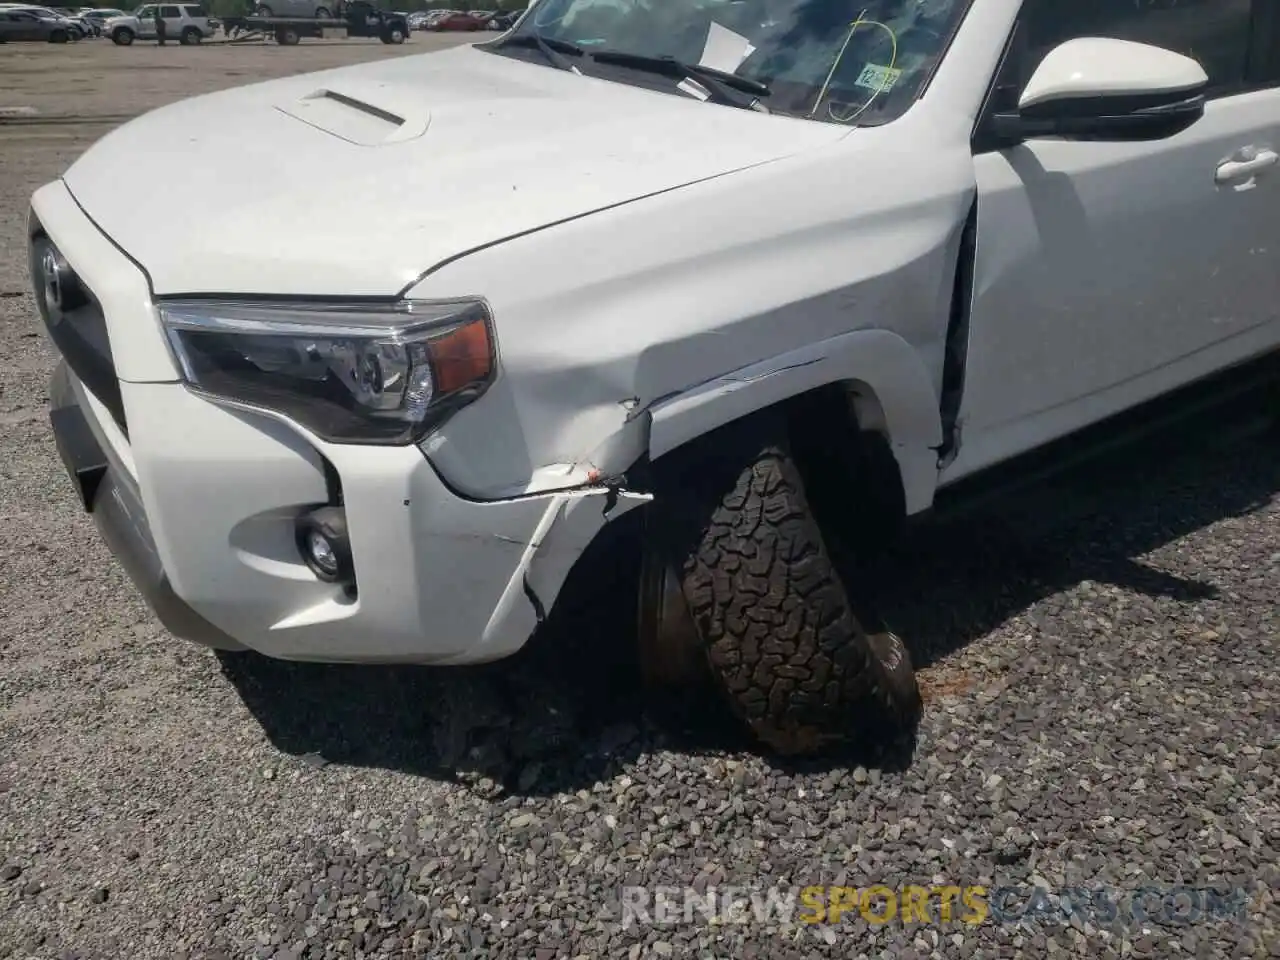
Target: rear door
[173, 21]
[1108, 273]
[199, 16]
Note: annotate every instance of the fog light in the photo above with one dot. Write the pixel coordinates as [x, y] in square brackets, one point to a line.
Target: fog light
[323, 543]
[321, 553]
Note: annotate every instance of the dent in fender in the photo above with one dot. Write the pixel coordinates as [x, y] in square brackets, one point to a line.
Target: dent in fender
[888, 365]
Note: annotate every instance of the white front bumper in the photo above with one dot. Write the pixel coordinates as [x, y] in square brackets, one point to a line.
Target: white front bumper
[440, 578]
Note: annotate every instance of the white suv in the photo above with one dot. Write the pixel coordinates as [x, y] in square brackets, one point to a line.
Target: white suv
[770, 295]
[185, 23]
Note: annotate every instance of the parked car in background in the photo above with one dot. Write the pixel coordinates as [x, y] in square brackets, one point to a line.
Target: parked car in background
[187, 23]
[504, 19]
[78, 29]
[74, 14]
[23, 23]
[100, 15]
[318, 9]
[457, 21]
[431, 17]
[91, 27]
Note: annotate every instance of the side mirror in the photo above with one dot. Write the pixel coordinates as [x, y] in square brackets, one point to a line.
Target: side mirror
[1094, 88]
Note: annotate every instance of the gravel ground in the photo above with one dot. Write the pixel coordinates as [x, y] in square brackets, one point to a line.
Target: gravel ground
[1100, 668]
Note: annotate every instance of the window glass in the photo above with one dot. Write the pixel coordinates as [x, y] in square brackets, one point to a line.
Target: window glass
[853, 63]
[197, 12]
[170, 12]
[1214, 32]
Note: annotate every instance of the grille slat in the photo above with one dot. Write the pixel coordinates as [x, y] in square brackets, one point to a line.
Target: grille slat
[78, 328]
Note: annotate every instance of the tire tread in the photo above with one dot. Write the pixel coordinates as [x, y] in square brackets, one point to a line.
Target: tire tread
[779, 630]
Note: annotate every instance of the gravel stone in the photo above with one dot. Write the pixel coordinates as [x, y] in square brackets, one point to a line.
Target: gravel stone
[1100, 660]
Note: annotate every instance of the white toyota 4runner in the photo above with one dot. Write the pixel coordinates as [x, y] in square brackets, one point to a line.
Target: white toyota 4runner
[186, 23]
[770, 275]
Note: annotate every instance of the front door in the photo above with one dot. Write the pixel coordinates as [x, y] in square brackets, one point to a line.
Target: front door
[23, 26]
[1108, 273]
[146, 22]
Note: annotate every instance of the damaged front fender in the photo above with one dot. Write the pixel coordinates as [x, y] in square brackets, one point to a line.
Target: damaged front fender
[571, 520]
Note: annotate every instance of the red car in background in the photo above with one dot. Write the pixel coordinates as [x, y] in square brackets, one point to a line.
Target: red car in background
[459, 21]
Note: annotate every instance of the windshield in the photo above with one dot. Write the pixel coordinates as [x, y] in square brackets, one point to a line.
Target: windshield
[842, 61]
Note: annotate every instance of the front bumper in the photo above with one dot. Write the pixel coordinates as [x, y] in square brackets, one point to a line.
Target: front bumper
[110, 495]
[200, 503]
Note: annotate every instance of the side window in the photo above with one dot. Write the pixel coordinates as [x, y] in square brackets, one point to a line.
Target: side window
[1214, 32]
[146, 13]
[168, 12]
[197, 12]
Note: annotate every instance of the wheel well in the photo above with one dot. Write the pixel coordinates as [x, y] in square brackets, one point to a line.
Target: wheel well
[841, 445]
[840, 439]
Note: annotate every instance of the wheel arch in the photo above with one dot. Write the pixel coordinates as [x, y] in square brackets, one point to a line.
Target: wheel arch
[881, 378]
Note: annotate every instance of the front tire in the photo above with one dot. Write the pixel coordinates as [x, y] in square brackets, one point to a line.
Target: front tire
[767, 601]
[393, 35]
[58, 36]
[190, 36]
[122, 36]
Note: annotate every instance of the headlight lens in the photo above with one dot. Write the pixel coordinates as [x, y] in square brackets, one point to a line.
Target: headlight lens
[384, 374]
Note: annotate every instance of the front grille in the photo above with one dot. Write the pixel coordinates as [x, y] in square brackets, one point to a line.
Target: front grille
[76, 325]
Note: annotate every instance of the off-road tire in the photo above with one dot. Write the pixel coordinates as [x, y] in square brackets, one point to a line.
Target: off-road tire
[322, 13]
[190, 37]
[287, 36]
[122, 36]
[777, 624]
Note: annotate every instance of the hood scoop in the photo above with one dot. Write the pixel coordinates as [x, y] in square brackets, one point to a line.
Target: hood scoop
[368, 118]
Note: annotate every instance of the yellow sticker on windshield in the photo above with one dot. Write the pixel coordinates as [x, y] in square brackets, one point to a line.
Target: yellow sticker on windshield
[877, 77]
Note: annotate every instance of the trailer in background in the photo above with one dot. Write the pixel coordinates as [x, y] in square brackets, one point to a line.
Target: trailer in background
[362, 19]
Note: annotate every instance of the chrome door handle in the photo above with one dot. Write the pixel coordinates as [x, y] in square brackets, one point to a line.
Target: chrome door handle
[1233, 171]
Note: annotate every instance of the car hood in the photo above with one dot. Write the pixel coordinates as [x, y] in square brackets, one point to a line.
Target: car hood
[357, 181]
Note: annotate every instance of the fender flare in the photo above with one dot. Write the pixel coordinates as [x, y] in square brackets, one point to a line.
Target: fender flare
[874, 362]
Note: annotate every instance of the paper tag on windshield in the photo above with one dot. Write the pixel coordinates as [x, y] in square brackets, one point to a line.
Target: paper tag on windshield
[877, 77]
[724, 49]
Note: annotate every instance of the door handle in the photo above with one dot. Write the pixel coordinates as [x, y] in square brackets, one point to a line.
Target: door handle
[1233, 171]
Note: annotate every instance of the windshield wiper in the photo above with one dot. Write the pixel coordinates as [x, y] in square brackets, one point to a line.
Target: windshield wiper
[549, 47]
[724, 86]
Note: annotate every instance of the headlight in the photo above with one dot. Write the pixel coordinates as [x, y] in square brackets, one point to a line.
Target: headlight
[383, 374]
